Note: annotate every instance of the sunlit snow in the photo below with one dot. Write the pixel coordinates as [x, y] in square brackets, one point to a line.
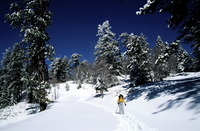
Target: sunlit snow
[169, 105]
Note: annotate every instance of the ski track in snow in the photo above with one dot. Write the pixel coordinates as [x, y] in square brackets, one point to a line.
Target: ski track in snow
[126, 121]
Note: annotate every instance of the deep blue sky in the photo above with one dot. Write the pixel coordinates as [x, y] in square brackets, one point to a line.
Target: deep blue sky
[75, 23]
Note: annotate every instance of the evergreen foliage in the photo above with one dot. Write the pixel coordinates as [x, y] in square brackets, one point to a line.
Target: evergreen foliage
[160, 70]
[32, 18]
[81, 72]
[60, 69]
[138, 55]
[11, 82]
[175, 59]
[74, 63]
[107, 49]
[184, 17]
[185, 63]
[75, 60]
[23, 68]
[107, 62]
[101, 86]
[168, 51]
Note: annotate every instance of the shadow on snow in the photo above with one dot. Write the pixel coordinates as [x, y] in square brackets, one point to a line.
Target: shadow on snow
[184, 89]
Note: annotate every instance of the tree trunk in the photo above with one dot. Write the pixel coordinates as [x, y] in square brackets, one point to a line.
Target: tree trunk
[43, 106]
[42, 72]
[101, 93]
[30, 96]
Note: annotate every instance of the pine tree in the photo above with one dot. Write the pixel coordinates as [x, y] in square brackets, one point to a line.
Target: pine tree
[107, 62]
[185, 63]
[74, 63]
[138, 55]
[175, 58]
[172, 48]
[125, 62]
[82, 72]
[159, 70]
[184, 17]
[107, 49]
[12, 76]
[3, 101]
[92, 73]
[101, 86]
[168, 58]
[75, 60]
[4, 92]
[59, 68]
[66, 64]
[32, 17]
[172, 63]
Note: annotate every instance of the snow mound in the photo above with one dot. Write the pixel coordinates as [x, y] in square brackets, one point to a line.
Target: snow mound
[18, 112]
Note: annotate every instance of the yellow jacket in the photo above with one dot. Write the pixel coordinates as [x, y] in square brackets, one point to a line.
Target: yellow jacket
[121, 100]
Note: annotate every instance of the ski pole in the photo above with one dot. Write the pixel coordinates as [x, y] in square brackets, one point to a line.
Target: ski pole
[117, 108]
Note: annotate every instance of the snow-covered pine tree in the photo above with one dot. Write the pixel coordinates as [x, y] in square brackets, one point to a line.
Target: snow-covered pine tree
[92, 73]
[184, 18]
[33, 17]
[81, 72]
[125, 62]
[66, 64]
[175, 58]
[185, 63]
[74, 63]
[59, 68]
[3, 91]
[169, 50]
[159, 70]
[172, 63]
[138, 55]
[107, 54]
[75, 60]
[12, 83]
[56, 68]
[101, 86]
[107, 49]
[100, 71]
[170, 55]
[4, 82]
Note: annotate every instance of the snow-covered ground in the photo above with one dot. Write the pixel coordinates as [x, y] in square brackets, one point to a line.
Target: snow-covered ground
[170, 105]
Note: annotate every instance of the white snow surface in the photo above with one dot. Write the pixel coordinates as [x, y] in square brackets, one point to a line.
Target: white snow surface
[170, 105]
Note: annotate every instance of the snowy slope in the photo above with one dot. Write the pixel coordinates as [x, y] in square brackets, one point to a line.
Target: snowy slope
[170, 105]
[67, 113]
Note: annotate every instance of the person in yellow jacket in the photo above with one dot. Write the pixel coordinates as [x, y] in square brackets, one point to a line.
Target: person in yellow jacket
[120, 102]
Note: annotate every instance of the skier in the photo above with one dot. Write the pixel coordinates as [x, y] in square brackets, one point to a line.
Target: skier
[120, 102]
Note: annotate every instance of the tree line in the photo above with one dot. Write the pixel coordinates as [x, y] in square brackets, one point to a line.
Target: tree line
[138, 61]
